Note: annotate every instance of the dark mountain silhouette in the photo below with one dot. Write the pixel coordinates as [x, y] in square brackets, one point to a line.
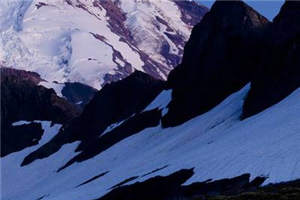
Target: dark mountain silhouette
[278, 74]
[23, 99]
[115, 102]
[218, 60]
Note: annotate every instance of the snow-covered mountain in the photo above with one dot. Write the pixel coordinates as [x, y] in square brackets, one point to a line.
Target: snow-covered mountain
[217, 145]
[95, 41]
[226, 122]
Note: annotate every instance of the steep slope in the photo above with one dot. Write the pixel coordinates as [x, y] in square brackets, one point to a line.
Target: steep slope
[279, 72]
[216, 144]
[212, 151]
[54, 39]
[23, 99]
[115, 103]
[218, 59]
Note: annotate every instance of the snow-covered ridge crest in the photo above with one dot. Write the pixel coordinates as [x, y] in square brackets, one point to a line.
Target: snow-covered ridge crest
[90, 41]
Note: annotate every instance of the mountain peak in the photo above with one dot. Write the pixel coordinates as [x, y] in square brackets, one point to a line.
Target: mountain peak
[237, 12]
[120, 37]
[289, 11]
[215, 61]
[118, 147]
[279, 72]
[20, 75]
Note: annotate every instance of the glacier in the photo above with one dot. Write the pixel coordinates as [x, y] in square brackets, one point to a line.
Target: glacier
[53, 38]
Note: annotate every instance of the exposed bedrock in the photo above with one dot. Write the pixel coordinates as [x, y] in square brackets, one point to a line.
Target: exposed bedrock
[23, 99]
[278, 73]
[219, 59]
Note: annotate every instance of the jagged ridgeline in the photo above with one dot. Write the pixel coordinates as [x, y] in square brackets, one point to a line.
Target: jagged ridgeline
[224, 125]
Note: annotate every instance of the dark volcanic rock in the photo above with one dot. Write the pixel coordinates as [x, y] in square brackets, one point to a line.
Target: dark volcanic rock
[40, 4]
[156, 170]
[133, 125]
[228, 186]
[14, 75]
[16, 138]
[218, 60]
[23, 99]
[170, 187]
[280, 191]
[124, 182]
[78, 93]
[114, 103]
[92, 179]
[158, 188]
[279, 73]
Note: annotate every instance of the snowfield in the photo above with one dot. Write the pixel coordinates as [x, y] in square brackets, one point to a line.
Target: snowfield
[216, 144]
[75, 40]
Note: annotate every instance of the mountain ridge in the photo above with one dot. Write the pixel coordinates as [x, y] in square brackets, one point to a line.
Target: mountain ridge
[241, 135]
[218, 60]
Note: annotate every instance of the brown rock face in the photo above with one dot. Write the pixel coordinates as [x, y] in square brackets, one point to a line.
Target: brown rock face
[23, 99]
[218, 60]
[13, 75]
[278, 74]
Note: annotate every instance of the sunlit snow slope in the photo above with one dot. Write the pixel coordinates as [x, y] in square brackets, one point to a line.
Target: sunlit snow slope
[95, 41]
[216, 144]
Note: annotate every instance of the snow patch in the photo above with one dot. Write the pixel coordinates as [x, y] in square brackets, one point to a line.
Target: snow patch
[20, 123]
[111, 127]
[161, 102]
[57, 87]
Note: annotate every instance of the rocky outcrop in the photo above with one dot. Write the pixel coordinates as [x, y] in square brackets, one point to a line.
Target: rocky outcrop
[170, 187]
[280, 191]
[94, 146]
[237, 188]
[218, 60]
[231, 46]
[13, 75]
[23, 99]
[116, 102]
[16, 138]
[92, 179]
[159, 188]
[278, 74]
